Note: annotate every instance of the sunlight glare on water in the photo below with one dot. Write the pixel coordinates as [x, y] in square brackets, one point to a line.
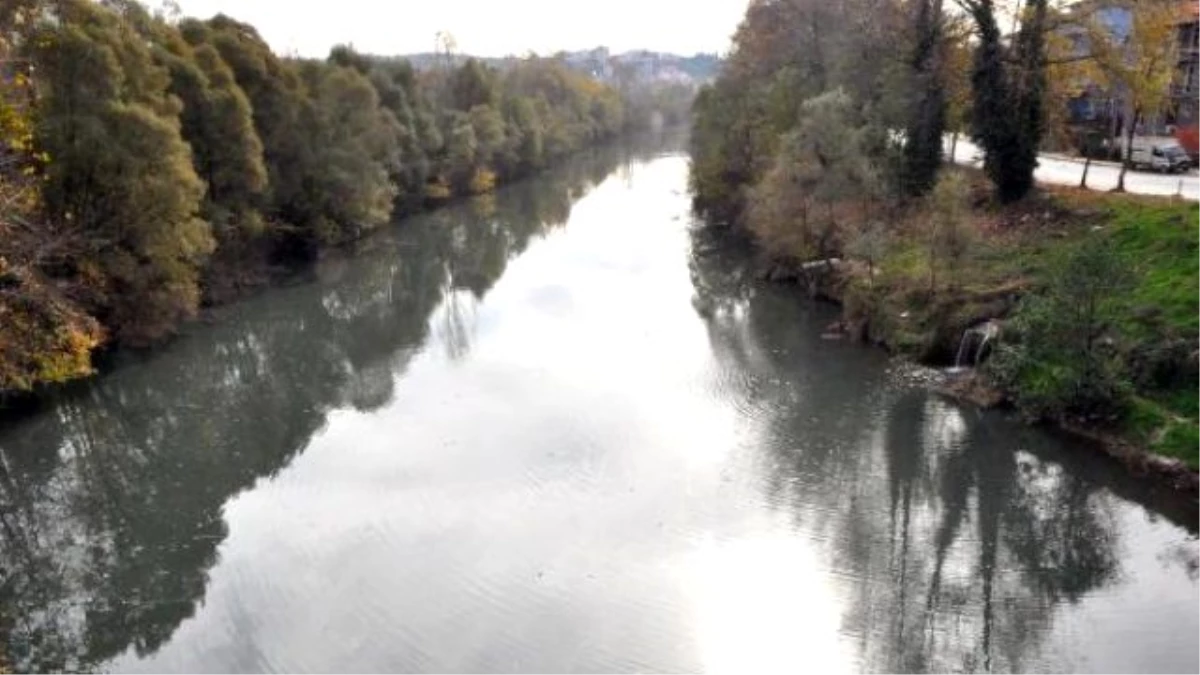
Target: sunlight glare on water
[763, 604]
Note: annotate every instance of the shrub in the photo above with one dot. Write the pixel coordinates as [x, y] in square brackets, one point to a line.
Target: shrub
[950, 233]
[1064, 359]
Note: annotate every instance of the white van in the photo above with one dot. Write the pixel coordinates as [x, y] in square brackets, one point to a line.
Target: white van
[1156, 153]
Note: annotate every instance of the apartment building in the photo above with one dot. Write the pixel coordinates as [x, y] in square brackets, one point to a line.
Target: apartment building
[1102, 110]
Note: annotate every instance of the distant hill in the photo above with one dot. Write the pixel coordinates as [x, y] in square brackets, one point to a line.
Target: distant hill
[639, 65]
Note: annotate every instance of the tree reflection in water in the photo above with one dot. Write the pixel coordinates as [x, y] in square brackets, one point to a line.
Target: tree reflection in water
[959, 533]
[111, 497]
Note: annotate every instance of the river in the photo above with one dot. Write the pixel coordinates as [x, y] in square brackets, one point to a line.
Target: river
[557, 429]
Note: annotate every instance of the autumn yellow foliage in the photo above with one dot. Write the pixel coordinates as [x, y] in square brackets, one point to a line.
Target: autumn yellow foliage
[45, 338]
[483, 181]
[16, 95]
[437, 190]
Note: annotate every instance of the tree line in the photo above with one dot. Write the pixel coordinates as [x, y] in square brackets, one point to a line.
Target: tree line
[854, 98]
[150, 164]
[820, 104]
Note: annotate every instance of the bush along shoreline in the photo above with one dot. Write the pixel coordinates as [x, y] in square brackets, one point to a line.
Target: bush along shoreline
[151, 166]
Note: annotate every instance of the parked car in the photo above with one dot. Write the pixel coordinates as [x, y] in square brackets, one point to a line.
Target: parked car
[1159, 154]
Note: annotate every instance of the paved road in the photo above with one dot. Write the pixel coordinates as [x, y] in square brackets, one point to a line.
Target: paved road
[1060, 170]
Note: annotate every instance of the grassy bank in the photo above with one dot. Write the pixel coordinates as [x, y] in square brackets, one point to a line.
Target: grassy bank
[1027, 265]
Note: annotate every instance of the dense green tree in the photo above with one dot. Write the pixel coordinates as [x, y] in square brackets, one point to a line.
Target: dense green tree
[1031, 92]
[395, 84]
[229, 154]
[472, 84]
[1007, 90]
[347, 57]
[217, 122]
[821, 163]
[724, 160]
[120, 173]
[281, 111]
[786, 52]
[573, 110]
[488, 125]
[526, 136]
[1064, 361]
[355, 148]
[461, 150]
[927, 119]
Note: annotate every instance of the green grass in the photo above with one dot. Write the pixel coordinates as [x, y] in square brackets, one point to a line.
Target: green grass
[906, 263]
[1181, 402]
[1181, 435]
[1158, 429]
[1180, 441]
[1161, 245]
[1157, 240]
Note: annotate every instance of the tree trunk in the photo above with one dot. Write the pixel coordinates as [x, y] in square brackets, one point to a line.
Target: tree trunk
[1087, 163]
[1113, 128]
[1128, 154]
[953, 145]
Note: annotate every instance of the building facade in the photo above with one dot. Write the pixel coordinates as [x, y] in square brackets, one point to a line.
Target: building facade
[1100, 111]
[1185, 90]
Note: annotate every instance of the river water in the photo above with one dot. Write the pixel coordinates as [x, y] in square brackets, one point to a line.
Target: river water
[557, 430]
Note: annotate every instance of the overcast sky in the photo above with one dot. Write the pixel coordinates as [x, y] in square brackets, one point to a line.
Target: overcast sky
[483, 27]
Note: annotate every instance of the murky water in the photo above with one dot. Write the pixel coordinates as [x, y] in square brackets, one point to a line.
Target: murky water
[554, 430]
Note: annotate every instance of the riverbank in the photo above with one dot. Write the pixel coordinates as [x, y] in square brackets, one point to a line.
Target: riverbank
[117, 228]
[1145, 331]
[48, 341]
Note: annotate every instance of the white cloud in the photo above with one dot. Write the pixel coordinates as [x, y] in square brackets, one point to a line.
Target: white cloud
[484, 27]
